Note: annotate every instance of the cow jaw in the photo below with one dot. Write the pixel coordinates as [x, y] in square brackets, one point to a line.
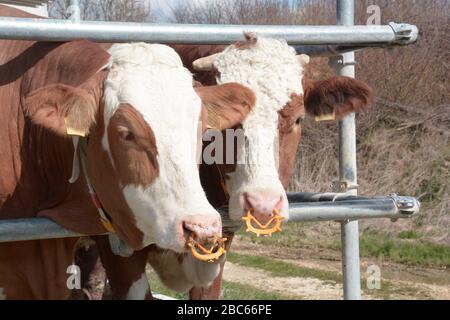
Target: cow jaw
[271, 69]
[152, 80]
[182, 272]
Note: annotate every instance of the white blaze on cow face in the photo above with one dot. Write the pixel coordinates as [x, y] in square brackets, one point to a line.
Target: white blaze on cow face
[152, 79]
[271, 69]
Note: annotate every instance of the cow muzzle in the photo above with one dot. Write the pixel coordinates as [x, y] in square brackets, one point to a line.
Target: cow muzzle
[263, 212]
[204, 238]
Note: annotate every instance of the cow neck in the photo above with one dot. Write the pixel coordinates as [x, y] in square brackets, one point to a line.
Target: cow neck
[80, 147]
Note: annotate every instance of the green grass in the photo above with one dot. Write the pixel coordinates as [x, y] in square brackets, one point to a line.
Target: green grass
[282, 269]
[293, 235]
[399, 250]
[406, 247]
[238, 291]
[410, 234]
[230, 291]
[278, 268]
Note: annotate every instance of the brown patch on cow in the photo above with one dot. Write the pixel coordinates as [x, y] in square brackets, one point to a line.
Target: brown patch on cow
[342, 95]
[133, 147]
[76, 212]
[122, 272]
[250, 41]
[36, 269]
[291, 114]
[190, 53]
[36, 163]
[106, 182]
[227, 104]
[289, 132]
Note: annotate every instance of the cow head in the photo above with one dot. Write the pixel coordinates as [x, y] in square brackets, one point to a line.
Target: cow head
[141, 115]
[265, 156]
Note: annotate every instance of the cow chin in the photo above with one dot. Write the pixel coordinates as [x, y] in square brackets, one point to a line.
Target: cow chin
[201, 273]
[181, 272]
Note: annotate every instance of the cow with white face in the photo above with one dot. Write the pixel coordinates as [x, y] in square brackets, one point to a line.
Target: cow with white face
[133, 115]
[271, 69]
[151, 117]
[272, 130]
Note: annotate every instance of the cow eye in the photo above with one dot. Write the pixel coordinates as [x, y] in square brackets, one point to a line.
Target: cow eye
[128, 136]
[125, 134]
[299, 120]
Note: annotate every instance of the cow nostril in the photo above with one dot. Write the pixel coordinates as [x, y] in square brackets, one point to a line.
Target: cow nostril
[187, 232]
[279, 204]
[200, 231]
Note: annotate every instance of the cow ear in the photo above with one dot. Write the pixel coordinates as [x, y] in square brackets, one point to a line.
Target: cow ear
[63, 109]
[336, 97]
[227, 105]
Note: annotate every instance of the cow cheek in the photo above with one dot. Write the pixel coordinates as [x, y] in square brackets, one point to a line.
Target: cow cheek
[288, 150]
[106, 183]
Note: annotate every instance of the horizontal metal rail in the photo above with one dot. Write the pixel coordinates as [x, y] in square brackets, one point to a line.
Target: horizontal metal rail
[311, 207]
[33, 229]
[64, 30]
[26, 3]
[307, 207]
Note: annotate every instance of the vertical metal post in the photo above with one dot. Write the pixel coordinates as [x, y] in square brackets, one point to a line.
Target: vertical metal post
[345, 66]
[75, 11]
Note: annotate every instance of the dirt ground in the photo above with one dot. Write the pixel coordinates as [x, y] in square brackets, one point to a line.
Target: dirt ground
[398, 281]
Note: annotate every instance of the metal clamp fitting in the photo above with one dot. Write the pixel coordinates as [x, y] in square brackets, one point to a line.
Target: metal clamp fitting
[406, 205]
[404, 33]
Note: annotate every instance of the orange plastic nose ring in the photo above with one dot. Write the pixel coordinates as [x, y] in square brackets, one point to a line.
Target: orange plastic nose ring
[272, 226]
[201, 253]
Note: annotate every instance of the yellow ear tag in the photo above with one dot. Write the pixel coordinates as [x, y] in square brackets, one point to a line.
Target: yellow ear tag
[107, 225]
[201, 253]
[73, 132]
[326, 117]
[261, 229]
[213, 119]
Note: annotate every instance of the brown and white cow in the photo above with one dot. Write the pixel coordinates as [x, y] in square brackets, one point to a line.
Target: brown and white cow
[272, 133]
[138, 108]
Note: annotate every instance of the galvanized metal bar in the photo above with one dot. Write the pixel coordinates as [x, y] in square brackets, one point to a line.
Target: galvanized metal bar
[347, 167]
[326, 196]
[26, 3]
[75, 12]
[346, 210]
[63, 30]
[32, 229]
[346, 207]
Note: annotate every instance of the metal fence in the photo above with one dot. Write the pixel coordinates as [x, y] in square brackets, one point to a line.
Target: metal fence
[335, 41]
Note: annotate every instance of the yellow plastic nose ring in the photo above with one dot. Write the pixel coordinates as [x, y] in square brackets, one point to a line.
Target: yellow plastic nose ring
[265, 229]
[201, 253]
